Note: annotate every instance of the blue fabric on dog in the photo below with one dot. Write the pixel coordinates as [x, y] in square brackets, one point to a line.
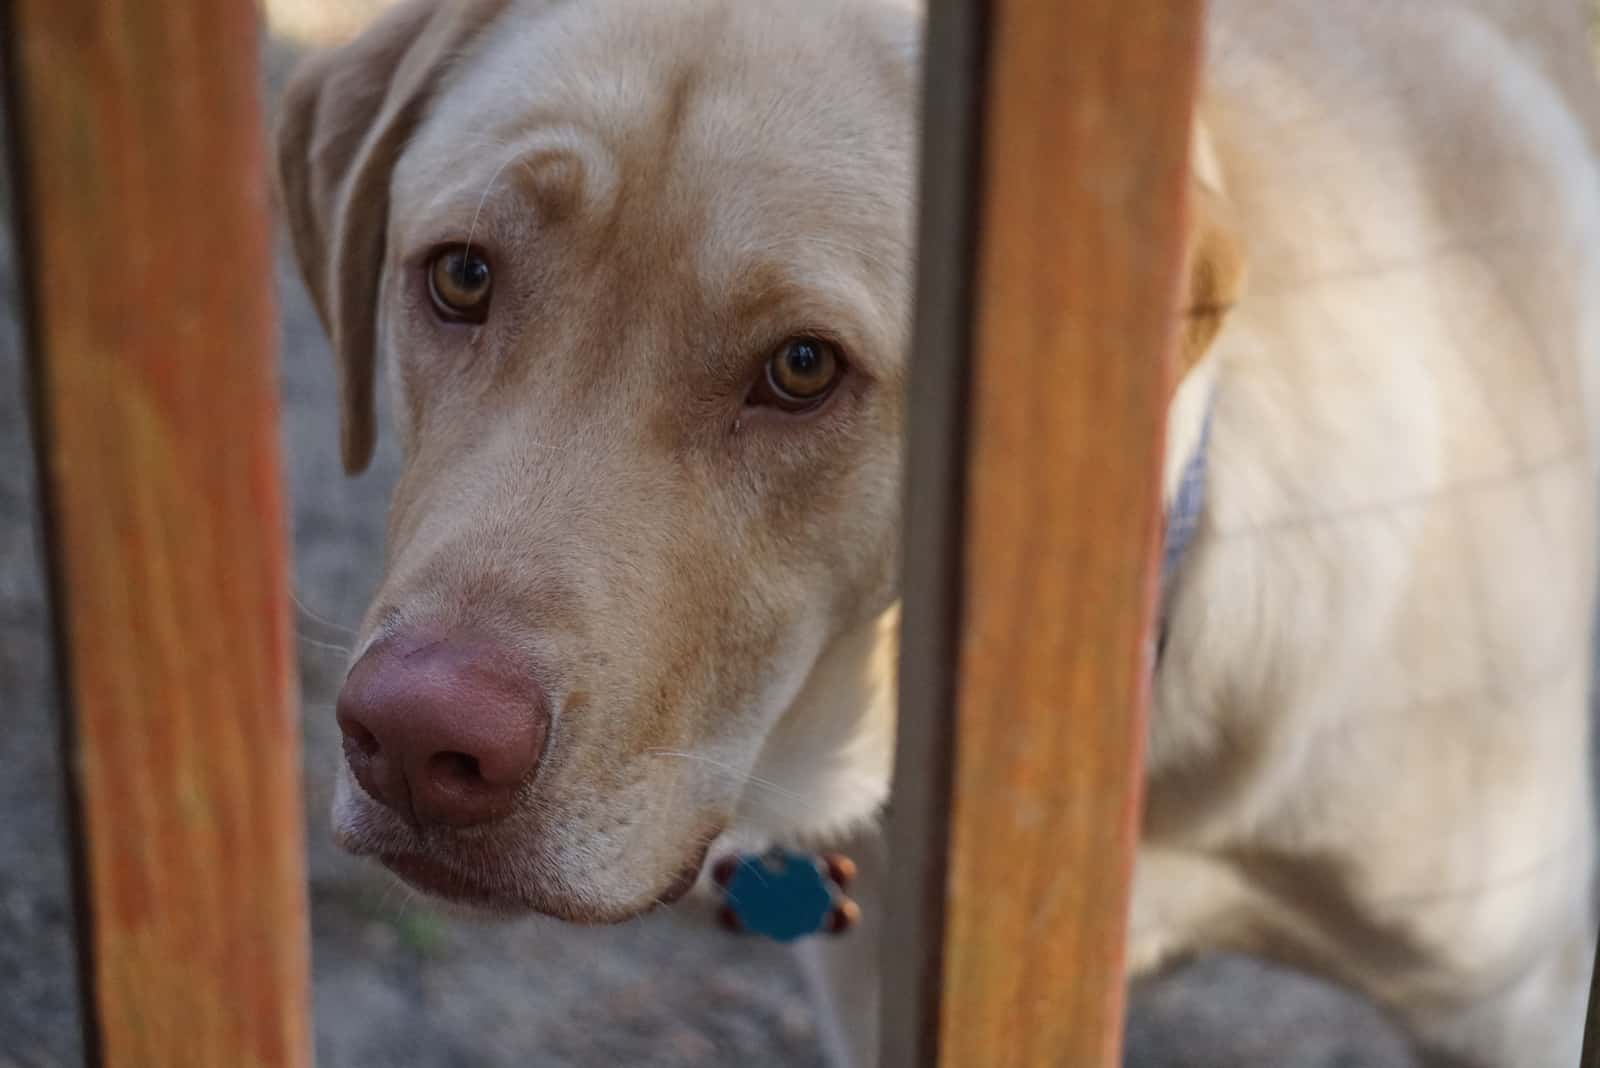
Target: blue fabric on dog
[1183, 522]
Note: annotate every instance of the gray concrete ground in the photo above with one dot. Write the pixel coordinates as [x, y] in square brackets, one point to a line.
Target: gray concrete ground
[397, 984]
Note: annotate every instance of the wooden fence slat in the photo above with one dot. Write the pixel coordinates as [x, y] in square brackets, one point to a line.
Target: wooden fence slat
[1048, 304]
[1589, 1056]
[146, 255]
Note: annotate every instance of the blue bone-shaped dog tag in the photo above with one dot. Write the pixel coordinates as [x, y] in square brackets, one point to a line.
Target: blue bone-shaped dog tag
[781, 894]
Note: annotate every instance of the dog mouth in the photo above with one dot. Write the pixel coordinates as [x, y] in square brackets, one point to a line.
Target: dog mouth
[449, 884]
[506, 872]
[482, 875]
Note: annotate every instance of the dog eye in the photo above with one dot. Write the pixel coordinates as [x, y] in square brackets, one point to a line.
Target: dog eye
[799, 375]
[459, 282]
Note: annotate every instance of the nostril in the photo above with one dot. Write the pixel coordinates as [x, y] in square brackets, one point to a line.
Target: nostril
[358, 740]
[456, 769]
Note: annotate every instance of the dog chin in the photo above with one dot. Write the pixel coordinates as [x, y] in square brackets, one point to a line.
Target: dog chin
[482, 887]
[483, 900]
[462, 893]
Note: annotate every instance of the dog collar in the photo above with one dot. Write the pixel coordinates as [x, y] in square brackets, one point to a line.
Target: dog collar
[1182, 523]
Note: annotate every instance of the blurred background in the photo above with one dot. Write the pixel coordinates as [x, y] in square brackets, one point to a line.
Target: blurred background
[396, 983]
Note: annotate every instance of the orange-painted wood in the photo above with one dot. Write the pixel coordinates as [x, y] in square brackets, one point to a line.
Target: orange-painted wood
[1027, 658]
[146, 257]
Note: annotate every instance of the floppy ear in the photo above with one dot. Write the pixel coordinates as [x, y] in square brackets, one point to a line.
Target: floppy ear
[345, 118]
[1214, 262]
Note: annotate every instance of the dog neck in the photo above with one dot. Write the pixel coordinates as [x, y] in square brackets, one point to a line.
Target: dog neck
[825, 769]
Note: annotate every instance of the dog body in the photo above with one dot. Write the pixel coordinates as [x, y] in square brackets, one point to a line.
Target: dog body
[1369, 751]
[587, 236]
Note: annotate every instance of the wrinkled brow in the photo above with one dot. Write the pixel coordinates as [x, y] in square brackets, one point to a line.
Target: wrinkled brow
[556, 170]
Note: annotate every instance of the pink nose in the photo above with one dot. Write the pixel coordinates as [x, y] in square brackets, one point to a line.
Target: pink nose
[442, 730]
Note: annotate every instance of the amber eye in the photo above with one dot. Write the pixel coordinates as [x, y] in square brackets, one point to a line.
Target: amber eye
[459, 281]
[799, 375]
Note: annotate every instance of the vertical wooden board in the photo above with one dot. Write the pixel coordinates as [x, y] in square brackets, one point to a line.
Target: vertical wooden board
[145, 252]
[1590, 1055]
[912, 949]
[1034, 719]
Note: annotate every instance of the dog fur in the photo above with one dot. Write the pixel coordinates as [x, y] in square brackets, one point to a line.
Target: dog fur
[1369, 749]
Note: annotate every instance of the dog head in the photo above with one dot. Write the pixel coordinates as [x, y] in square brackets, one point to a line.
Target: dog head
[640, 275]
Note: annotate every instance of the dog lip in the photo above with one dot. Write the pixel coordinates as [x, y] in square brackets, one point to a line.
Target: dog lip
[681, 884]
[443, 881]
[689, 874]
[446, 883]
[421, 868]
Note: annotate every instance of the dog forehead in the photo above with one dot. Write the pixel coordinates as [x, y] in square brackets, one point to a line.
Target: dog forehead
[755, 85]
[746, 146]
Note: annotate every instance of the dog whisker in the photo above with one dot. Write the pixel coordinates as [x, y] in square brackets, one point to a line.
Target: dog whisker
[317, 643]
[488, 187]
[316, 617]
[746, 777]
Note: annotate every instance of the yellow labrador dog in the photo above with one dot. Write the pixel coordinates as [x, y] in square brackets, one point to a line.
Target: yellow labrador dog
[640, 272]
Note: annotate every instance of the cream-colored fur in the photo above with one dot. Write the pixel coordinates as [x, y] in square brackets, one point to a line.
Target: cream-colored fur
[1370, 745]
[1369, 750]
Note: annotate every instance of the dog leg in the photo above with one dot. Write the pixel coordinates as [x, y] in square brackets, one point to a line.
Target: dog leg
[1475, 1009]
[1534, 1021]
[1184, 902]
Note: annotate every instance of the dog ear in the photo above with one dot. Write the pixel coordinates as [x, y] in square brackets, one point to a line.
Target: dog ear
[344, 120]
[1214, 261]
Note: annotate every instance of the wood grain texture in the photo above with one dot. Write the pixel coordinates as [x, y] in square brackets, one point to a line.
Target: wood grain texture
[1036, 718]
[147, 260]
